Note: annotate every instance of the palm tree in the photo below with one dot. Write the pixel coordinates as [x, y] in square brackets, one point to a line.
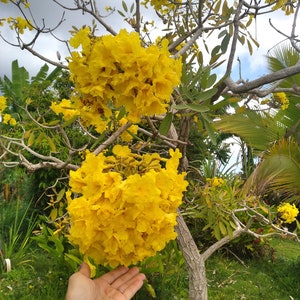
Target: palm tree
[273, 135]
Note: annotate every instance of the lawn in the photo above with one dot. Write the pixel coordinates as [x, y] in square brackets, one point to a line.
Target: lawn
[38, 274]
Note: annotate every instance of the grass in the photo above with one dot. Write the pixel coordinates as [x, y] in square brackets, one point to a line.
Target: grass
[228, 277]
[39, 279]
[37, 274]
[272, 279]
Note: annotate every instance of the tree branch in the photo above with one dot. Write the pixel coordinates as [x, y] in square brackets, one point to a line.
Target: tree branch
[249, 86]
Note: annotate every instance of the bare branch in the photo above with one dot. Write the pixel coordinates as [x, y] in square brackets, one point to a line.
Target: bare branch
[112, 138]
[250, 86]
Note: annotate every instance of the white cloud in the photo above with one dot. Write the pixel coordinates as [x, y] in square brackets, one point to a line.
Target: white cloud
[48, 13]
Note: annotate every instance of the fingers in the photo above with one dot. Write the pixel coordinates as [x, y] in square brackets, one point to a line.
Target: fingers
[85, 270]
[130, 287]
[125, 278]
[111, 276]
[124, 281]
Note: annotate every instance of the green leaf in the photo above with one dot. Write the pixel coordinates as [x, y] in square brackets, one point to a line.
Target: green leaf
[193, 107]
[241, 39]
[131, 8]
[211, 80]
[60, 194]
[31, 139]
[41, 75]
[150, 290]
[222, 228]
[217, 232]
[120, 13]
[217, 7]
[124, 6]
[210, 131]
[215, 50]
[165, 124]
[250, 47]
[225, 42]
[214, 58]
[200, 58]
[198, 107]
[69, 122]
[208, 94]
[51, 145]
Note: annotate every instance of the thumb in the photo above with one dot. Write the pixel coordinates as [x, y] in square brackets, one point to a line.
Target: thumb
[85, 270]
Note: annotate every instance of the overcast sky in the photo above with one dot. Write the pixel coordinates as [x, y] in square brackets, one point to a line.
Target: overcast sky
[48, 12]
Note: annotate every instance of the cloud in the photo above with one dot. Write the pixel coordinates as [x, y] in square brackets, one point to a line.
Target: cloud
[49, 14]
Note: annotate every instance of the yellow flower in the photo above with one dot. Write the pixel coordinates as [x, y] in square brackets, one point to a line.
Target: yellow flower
[118, 70]
[215, 181]
[282, 99]
[66, 108]
[288, 212]
[127, 136]
[19, 24]
[286, 6]
[126, 205]
[8, 119]
[121, 151]
[2, 103]
[161, 5]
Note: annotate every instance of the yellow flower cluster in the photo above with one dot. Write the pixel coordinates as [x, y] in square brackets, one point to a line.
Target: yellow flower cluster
[282, 99]
[6, 118]
[119, 71]
[288, 212]
[2, 103]
[66, 108]
[286, 6]
[163, 6]
[215, 181]
[127, 136]
[24, 2]
[19, 24]
[126, 205]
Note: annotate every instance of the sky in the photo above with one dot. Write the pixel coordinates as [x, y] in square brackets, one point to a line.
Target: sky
[47, 12]
[50, 13]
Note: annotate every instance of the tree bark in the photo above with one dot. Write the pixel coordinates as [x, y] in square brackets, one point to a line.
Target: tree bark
[194, 261]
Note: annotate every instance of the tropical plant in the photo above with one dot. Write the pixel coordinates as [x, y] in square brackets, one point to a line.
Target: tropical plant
[17, 224]
[144, 92]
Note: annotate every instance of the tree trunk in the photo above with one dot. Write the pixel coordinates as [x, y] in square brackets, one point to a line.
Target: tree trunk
[194, 261]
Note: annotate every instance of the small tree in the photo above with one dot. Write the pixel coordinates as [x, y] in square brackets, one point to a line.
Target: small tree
[130, 89]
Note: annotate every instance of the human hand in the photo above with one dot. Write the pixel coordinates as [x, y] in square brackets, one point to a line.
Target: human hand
[119, 284]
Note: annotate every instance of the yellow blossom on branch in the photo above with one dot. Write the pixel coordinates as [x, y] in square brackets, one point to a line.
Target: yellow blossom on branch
[286, 6]
[2, 103]
[8, 119]
[215, 181]
[66, 108]
[126, 206]
[127, 135]
[118, 70]
[163, 6]
[282, 99]
[19, 24]
[288, 212]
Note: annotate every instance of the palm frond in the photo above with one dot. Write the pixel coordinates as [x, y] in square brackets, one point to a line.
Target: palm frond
[279, 171]
[258, 130]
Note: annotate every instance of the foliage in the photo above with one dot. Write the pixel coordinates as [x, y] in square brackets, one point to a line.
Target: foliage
[17, 224]
[234, 278]
[127, 90]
